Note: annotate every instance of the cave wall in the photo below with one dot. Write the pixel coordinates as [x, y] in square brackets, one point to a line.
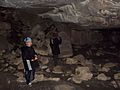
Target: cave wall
[24, 23]
[76, 34]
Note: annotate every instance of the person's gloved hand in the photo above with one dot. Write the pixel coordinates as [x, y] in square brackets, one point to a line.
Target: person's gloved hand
[35, 58]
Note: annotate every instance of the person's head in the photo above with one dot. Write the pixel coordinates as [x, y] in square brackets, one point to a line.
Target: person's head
[55, 34]
[28, 41]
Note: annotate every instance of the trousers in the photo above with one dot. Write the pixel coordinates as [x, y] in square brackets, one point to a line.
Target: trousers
[29, 75]
[55, 59]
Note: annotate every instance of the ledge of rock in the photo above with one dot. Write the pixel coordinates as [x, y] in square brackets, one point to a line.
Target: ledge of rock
[86, 13]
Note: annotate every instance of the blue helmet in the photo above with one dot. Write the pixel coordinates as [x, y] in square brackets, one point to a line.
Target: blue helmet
[27, 39]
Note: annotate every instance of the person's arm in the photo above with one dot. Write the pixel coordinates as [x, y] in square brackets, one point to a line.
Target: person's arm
[35, 55]
[51, 42]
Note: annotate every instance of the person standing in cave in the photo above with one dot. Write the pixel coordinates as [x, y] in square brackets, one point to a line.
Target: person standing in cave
[29, 57]
[55, 41]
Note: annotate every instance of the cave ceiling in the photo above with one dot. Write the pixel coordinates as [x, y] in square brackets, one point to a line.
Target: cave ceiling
[86, 13]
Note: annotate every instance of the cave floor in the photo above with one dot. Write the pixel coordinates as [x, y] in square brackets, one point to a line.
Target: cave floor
[8, 82]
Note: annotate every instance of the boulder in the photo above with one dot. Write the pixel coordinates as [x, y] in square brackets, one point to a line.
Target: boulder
[58, 69]
[21, 66]
[114, 84]
[110, 65]
[48, 70]
[107, 67]
[78, 79]
[10, 69]
[71, 61]
[103, 77]
[44, 67]
[81, 70]
[17, 61]
[82, 74]
[80, 59]
[44, 60]
[39, 77]
[53, 79]
[117, 76]
[20, 77]
[104, 69]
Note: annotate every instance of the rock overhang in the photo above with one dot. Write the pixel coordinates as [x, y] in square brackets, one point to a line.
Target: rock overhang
[85, 13]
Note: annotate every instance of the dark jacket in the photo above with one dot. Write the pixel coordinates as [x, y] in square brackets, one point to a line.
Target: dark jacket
[28, 53]
[54, 43]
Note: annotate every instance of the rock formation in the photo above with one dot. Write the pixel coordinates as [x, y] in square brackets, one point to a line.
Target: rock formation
[88, 13]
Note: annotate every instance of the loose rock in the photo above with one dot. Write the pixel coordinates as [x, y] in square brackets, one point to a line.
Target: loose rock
[82, 74]
[20, 66]
[102, 77]
[39, 77]
[44, 60]
[82, 60]
[117, 76]
[110, 65]
[71, 61]
[17, 61]
[20, 77]
[58, 69]
[114, 84]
